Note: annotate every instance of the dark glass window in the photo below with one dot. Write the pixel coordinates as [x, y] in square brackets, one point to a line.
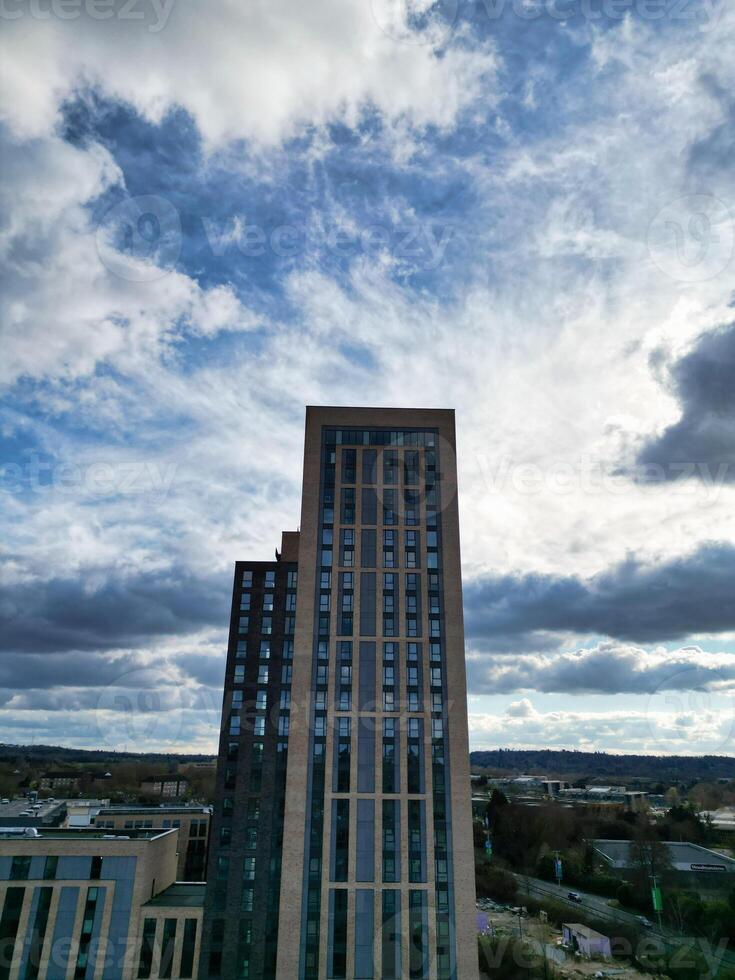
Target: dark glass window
[146, 948]
[187, 949]
[167, 947]
[341, 834]
[338, 953]
[19, 868]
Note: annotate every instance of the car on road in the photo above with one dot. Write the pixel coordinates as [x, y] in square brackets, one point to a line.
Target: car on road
[646, 923]
[575, 897]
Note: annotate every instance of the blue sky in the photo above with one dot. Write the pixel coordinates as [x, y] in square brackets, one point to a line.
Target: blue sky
[519, 210]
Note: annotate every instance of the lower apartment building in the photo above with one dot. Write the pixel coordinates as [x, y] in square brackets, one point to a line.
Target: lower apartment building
[192, 823]
[86, 905]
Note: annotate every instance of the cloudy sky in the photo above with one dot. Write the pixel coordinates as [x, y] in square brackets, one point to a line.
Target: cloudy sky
[214, 215]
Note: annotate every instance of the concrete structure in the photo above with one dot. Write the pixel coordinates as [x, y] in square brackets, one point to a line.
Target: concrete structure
[191, 821]
[586, 941]
[344, 751]
[552, 787]
[81, 904]
[82, 813]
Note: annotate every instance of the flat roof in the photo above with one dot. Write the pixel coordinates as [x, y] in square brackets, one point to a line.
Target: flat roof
[15, 807]
[182, 894]
[79, 833]
[684, 856]
[155, 808]
[584, 930]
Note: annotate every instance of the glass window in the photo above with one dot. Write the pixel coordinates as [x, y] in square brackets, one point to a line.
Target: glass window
[247, 579]
[268, 602]
[266, 625]
[270, 579]
[245, 601]
[265, 649]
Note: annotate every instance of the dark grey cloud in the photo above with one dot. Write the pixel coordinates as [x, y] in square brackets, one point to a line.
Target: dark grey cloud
[632, 601]
[26, 671]
[701, 443]
[608, 668]
[126, 612]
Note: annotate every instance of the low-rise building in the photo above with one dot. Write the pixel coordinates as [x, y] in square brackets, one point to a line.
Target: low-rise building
[191, 821]
[722, 819]
[171, 786]
[694, 866]
[586, 941]
[80, 903]
[72, 780]
[66, 779]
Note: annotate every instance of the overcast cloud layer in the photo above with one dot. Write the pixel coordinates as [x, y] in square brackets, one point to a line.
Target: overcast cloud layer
[209, 219]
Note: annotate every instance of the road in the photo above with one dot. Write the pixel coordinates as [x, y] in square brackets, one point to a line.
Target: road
[537, 888]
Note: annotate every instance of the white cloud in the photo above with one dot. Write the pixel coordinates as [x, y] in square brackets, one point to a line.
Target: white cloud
[69, 303]
[242, 70]
[619, 731]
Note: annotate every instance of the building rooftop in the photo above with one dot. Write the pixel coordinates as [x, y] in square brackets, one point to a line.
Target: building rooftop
[77, 833]
[23, 811]
[157, 808]
[70, 801]
[182, 894]
[684, 856]
[583, 930]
